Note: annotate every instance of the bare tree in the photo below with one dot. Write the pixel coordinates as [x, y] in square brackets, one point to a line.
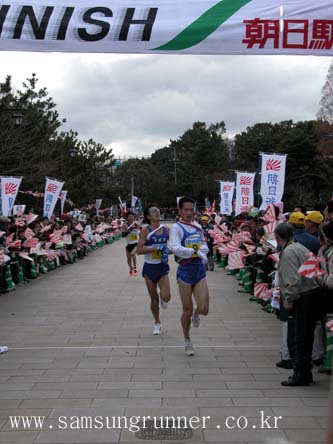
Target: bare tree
[325, 112]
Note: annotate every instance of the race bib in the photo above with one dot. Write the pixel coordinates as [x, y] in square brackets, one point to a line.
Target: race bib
[133, 237]
[157, 254]
[195, 246]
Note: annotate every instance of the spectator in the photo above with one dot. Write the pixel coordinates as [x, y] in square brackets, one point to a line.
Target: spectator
[299, 296]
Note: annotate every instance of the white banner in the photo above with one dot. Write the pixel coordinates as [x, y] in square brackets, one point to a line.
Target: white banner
[9, 190]
[273, 167]
[169, 26]
[226, 195]
[18, 210]
[133, 202]
[98, 205]
[244, 192]
[63, 196]
[52, 191]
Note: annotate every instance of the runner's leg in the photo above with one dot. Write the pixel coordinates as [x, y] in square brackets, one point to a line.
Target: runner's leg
[164, 286]
[152, 290]
[201, 296]
[185, 292]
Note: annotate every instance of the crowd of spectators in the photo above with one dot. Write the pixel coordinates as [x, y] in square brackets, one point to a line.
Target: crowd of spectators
[285, 263]
[31, 245]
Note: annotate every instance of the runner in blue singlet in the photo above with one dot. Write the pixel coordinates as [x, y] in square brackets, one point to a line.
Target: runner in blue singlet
[189, 246]
[153, 244]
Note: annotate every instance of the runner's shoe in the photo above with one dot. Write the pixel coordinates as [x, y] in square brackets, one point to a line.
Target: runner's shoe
[131, 272]
[189, 349]
[163, 304]
[135, 272]
[157, 329]
[195, 321]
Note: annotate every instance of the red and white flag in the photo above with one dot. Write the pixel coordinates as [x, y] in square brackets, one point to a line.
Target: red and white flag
[78, 227]
[15, 244]
[2, 257]
[56, 237]
[329, 325]
[31, 242]
[311, 267]
[235, 260]
[260, 289]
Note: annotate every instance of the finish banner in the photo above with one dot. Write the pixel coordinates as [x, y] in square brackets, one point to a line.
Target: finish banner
[300, 27]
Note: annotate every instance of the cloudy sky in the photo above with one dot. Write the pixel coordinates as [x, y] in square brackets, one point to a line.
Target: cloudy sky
[137, 103]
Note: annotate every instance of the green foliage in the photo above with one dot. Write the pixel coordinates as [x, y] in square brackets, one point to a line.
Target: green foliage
[37, 149]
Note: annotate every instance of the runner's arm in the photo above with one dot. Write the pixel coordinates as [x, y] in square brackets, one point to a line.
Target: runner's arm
[175, 243]
[141, 248]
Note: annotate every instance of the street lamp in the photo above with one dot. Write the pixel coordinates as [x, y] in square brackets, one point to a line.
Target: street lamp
[17, 118]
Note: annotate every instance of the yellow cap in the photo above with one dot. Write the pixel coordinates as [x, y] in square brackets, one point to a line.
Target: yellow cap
[315, 216]
[296, 218]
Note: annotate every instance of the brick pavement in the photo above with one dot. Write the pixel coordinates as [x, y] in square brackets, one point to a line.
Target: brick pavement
[81, 344]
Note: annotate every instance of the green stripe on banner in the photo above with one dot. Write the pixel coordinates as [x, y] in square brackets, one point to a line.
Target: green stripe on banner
[204, 25]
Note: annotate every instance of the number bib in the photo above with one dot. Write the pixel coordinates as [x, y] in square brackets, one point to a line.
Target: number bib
[193, 241]
[133, 237]
[156, 254]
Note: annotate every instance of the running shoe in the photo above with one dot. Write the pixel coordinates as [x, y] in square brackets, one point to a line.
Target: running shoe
[163, 304]
[135, 272]
[3, 349]
[195, 321]
[189, 349]
[131, 272]
[157, 329]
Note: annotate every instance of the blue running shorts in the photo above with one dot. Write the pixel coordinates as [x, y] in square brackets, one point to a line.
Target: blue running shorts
[154, 272]
[191, 274]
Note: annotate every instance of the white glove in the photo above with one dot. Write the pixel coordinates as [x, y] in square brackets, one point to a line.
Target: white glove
[203, 257]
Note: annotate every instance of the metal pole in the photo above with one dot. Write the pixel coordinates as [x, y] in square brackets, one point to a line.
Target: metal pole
[259, 179]
[175, 163]
[132, 190]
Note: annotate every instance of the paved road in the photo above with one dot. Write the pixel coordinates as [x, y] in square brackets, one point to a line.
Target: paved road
[81, 343]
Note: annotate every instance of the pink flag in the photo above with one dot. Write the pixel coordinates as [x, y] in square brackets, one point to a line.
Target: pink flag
[46, 228]
[32, 217]
[56, 237]
[28, 233]
[15, 244]
[64, 229]
[233, 246]
[269, 213]
[78, 227]
[9, 239]
[2, 257]
[19, 223]
[329, 325]
[25, 255]
[31, 242]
